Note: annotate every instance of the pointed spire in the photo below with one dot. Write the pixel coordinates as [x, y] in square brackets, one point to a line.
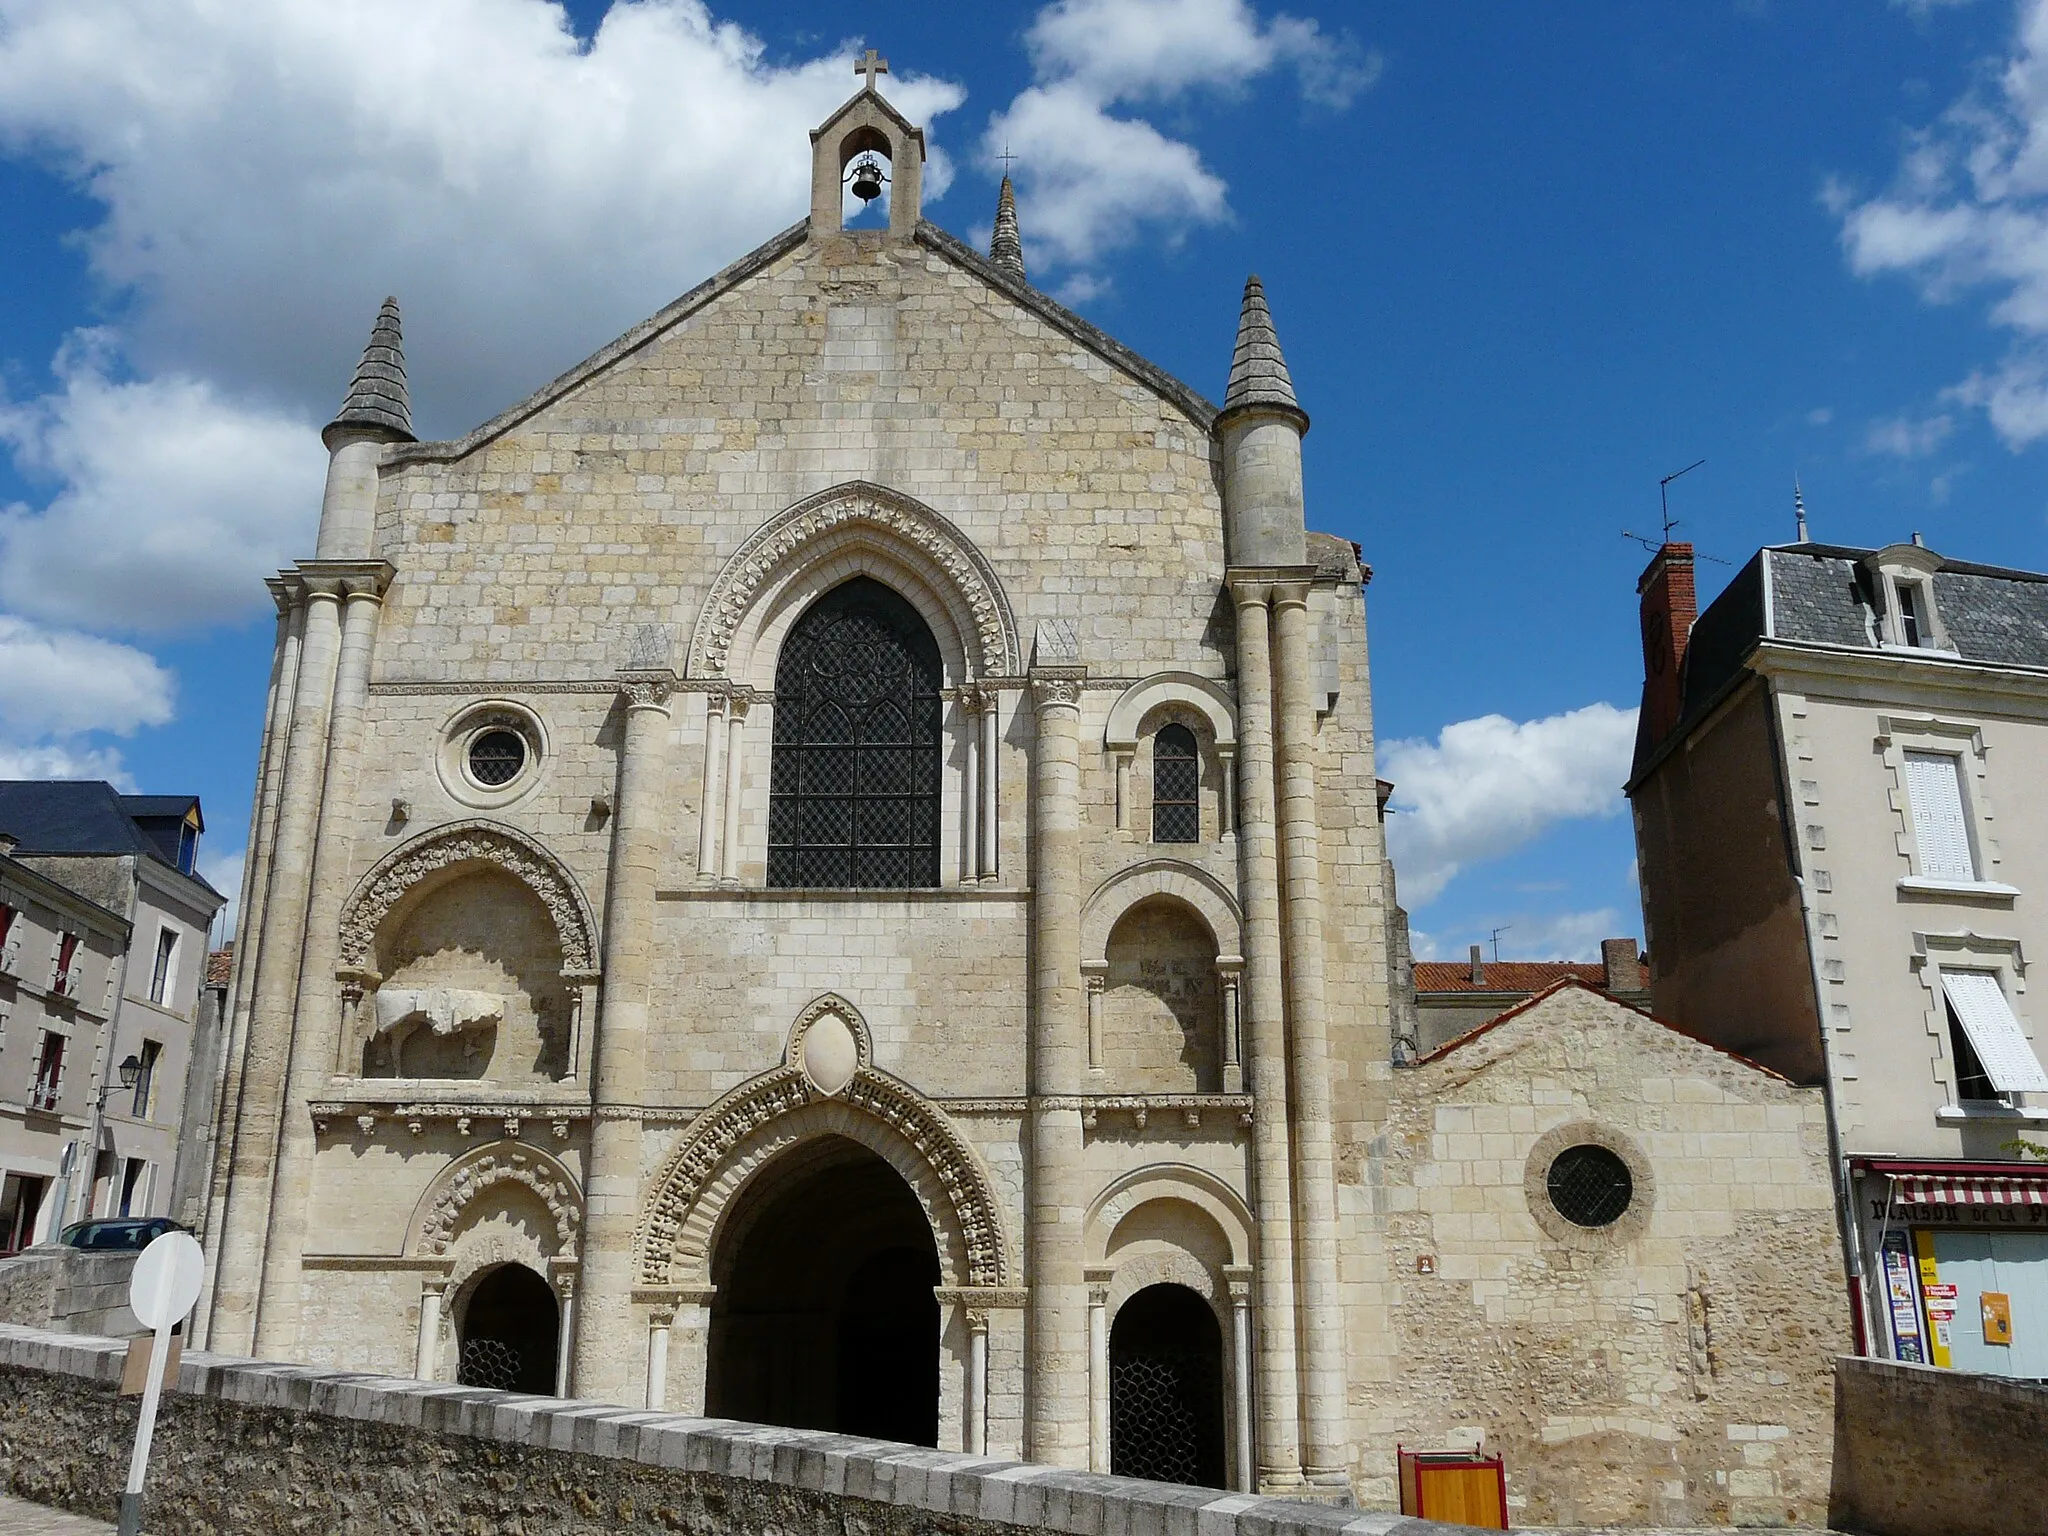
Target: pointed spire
[1799, 509]
[1006, 246]
[1258, 373]
[376, 395]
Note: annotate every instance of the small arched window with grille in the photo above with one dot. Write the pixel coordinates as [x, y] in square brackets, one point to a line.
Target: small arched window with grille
[853, 800]
[1176, 786]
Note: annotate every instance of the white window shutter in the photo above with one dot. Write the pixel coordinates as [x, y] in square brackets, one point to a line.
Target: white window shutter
[1934, 787]
[2001, 1045]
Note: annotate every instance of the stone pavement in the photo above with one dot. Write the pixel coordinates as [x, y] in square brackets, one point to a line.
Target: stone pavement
[20, 1518]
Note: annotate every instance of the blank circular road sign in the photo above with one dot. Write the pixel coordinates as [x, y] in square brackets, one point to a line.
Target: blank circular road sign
[166, 1280]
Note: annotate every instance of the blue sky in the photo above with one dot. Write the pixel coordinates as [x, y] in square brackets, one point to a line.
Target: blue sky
[1524, 260]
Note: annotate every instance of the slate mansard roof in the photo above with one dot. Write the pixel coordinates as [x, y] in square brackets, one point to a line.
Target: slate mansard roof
[1821, 595]
[89, 816]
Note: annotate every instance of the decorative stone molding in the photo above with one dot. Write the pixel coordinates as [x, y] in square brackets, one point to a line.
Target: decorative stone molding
[465, 842]
[450, 1195]
[1056, 692]
[1206, 698]
[647, 690]
[769, 1114]
[896, 520]
[1632, 1223]
[1185, 884]
[1140, 1107]
[830, 1043]
[1196, 1187]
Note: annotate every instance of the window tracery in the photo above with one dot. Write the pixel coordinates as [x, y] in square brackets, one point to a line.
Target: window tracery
[1176, 786]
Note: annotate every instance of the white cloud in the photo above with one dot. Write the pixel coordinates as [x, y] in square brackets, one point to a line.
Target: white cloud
[223, 871]
[1903, 437]
[269, 173]
[49, 760]
[58, 683]
[175, 502]
[1553, 936]
[1969, 211]
[1093, 180]
[1485, 787]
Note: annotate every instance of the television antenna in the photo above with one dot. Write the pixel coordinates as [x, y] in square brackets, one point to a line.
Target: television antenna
[1670, 522]
[1496, 940]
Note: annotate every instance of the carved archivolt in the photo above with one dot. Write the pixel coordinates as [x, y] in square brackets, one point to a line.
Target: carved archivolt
[767, 1115]
[441, 1212]
[466, 842]
[1206, 698]
[902, 522]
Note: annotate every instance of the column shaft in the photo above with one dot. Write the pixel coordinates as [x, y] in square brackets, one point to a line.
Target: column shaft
[1315, 1165]
[606, 1361]
[277, 718]
[970, 791]
[240, 1240]
[735, 787]
[991, 781]
[711, 810]
[1057, 1425]
[1098, 1381]
[1262, 997]
[425, 1359]
[316, 1009]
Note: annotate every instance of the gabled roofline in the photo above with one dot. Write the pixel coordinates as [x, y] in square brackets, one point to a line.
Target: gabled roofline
[1572, 981]
[666, 318]
[1057, 315]
[1189, 401]
[910, 129]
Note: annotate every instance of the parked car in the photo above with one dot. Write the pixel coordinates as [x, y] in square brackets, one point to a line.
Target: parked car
[119, 1232]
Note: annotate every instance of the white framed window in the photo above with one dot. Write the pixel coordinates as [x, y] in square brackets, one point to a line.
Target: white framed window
[1941, 822]
[163, 974]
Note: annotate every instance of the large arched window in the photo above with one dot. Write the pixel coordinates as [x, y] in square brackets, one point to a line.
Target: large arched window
[854, 794]
[1176, 786]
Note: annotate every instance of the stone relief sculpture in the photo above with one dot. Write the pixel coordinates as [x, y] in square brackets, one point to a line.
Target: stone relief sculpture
[402, 1011]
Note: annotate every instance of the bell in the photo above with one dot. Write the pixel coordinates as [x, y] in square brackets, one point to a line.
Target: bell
[867, 181]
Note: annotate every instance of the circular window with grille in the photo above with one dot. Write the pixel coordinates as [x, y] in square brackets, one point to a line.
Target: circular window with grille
[491, 754]
[496, 756]
[1590, 1186]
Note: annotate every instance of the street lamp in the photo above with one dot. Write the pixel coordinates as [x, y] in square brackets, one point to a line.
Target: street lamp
[128, 1071]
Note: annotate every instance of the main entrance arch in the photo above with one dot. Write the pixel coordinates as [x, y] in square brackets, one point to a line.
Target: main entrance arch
[824, 1314]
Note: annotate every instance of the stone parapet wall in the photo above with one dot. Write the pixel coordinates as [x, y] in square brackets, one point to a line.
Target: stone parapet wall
[68, 1289]
[1921, 1451]
[254, 1448]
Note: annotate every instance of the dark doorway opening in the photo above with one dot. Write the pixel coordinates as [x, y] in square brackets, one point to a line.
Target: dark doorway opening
[1166, 1388]
[510, 1333]
[824, 1316]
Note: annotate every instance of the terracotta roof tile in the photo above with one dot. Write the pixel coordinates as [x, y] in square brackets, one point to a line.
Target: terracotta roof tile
[1506, 975]
[220, 965]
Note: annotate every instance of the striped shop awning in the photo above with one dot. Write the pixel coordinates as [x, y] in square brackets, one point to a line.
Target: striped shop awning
[1967, 1189]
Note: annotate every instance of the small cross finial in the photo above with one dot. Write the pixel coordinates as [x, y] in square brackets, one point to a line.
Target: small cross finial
[1006, 157]
[871, 65]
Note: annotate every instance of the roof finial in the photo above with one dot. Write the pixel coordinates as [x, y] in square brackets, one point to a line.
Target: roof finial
[1006, 245]
[376, 399]
[1258, 372]
[1799, 508]
[871, 65]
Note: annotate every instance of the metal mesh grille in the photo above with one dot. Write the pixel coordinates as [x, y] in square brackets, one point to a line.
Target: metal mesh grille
[1176, 787]
[1153, 1422]
[1590, 1186]
[488, 1363]
[854, 791]
[496, 757]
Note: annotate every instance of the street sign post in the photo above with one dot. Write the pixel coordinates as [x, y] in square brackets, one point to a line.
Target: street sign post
[160, 1292]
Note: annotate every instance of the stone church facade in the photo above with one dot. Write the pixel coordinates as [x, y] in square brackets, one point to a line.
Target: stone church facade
[847, 820]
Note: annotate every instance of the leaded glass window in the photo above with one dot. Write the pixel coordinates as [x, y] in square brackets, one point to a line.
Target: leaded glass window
[854, 791]
[1176, 786]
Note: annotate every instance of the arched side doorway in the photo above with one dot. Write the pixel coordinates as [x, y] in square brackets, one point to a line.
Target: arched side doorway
[824, 1315]
[509, 1332]
[1166, 1388]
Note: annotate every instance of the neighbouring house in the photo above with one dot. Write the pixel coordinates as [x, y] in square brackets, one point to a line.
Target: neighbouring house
[102, 966]
[1453, 997]
[1844, 853]
[1610, 1256]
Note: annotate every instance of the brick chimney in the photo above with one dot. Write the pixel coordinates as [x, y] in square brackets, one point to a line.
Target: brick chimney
[1623, 965]
[1669, 607]
[1478, 968]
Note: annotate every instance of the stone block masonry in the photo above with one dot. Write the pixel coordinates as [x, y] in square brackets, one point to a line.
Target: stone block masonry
[255, 1448]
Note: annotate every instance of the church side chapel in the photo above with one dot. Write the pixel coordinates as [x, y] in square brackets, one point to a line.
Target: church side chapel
[825, 868]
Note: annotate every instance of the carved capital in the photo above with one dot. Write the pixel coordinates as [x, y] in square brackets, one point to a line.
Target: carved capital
[1055, 691]
[646, 690]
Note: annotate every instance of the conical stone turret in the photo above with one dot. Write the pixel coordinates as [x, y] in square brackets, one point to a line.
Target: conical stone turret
[1258, 371]
[376, 398]
[1006, 245]
[1260, 427]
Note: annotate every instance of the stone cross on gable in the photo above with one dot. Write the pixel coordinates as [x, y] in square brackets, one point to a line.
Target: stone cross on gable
[872, 65]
